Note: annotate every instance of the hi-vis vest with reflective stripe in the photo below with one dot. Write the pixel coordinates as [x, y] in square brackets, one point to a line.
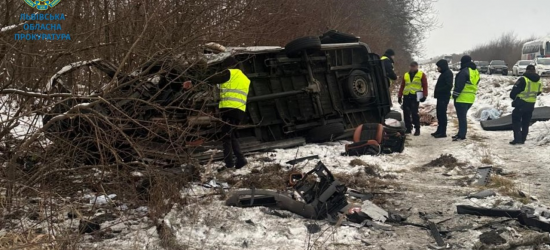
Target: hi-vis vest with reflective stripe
[393, 68]
[531, 91]
[468, 94]
[233, 93]
[386, 58]
[411, 87]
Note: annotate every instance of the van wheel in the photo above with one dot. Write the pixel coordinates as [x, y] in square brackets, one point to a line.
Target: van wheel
[325, 133]
[308, 44]
[359, 87]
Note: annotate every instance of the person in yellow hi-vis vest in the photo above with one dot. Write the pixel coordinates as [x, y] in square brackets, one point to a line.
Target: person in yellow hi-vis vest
[413, 86]
[524, 93]
[464, 94]
[234, 86]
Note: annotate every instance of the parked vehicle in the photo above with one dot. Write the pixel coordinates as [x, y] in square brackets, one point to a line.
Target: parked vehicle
[519, 68]
[482, 66]
[456, 66]
[308, 91]
[535, 49]
[542, 66]
[498, 66]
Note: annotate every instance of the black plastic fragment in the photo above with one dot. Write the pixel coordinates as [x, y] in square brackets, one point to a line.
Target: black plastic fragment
[534, 222]
[462, 209]
[296, 161]
[435, 233]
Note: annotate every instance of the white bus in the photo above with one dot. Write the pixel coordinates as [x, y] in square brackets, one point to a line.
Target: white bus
[535, 49]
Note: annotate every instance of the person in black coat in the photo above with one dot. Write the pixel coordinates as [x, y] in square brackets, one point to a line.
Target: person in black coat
[387, 62]
[442, 93]
[524, 103]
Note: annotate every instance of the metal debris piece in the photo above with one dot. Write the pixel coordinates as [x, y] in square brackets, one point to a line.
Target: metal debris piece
[362, 196]
[435, 233]
[483, 176]
[374, 212]
[532, 221]
[462, 209]
[296, 161]
[483, 194]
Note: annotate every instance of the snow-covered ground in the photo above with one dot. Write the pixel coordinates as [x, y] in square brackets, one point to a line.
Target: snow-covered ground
[432, 192]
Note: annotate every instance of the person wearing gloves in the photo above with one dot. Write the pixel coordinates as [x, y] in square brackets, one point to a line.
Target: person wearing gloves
[414, 82]
[442, 93]
[524, 93]
[464, 94]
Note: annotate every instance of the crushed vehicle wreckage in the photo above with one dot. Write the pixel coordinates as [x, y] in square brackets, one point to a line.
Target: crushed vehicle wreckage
[318, 195]
[315, 89]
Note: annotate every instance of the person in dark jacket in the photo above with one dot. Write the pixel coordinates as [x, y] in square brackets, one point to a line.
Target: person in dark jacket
[464, 94]
[414, 82]
[442, 93]
[524, 93]
[387, 61]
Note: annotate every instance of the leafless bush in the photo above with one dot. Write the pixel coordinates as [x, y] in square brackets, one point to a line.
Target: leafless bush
[507, 47]
[97, 133]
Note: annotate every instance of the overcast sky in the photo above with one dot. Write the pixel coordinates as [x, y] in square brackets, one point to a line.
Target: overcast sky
[467, 23]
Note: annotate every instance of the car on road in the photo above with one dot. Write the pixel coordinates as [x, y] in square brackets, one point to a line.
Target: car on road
[455, 66]
[497, 66]
[315, 89]
[482, 66]
[519, 68]
[542, 65]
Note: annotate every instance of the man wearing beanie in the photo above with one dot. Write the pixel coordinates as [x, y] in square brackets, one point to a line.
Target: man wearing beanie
[524, 93]
[387, 61]
[464, 94]
[414, 81]
[442, 93]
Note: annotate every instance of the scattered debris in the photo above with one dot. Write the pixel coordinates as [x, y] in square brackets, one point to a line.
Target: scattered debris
[313, 228]
[323, 198]
[445, 160]
[86, 227]
[374, 212]
[296, 161]
[491, 238]
[483, 194]
[215, 184]
[435, 233]
[525, 216]
[483, 176]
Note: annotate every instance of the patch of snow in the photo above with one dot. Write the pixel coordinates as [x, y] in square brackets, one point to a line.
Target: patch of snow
[67, 69]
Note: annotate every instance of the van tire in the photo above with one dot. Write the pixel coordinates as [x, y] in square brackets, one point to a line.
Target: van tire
[359, 87]
[333, 36]
[325, 133]
[308, 44]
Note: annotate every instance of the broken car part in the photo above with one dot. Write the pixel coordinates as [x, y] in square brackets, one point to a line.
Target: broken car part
[483, 176]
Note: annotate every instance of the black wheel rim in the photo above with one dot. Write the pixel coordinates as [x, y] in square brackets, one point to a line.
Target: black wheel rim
[360, 86]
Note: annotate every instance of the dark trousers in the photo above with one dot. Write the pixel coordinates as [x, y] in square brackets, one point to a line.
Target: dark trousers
[442, 104]
[231, 147]
[521, 120]
[462, 113]
[410, 112]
